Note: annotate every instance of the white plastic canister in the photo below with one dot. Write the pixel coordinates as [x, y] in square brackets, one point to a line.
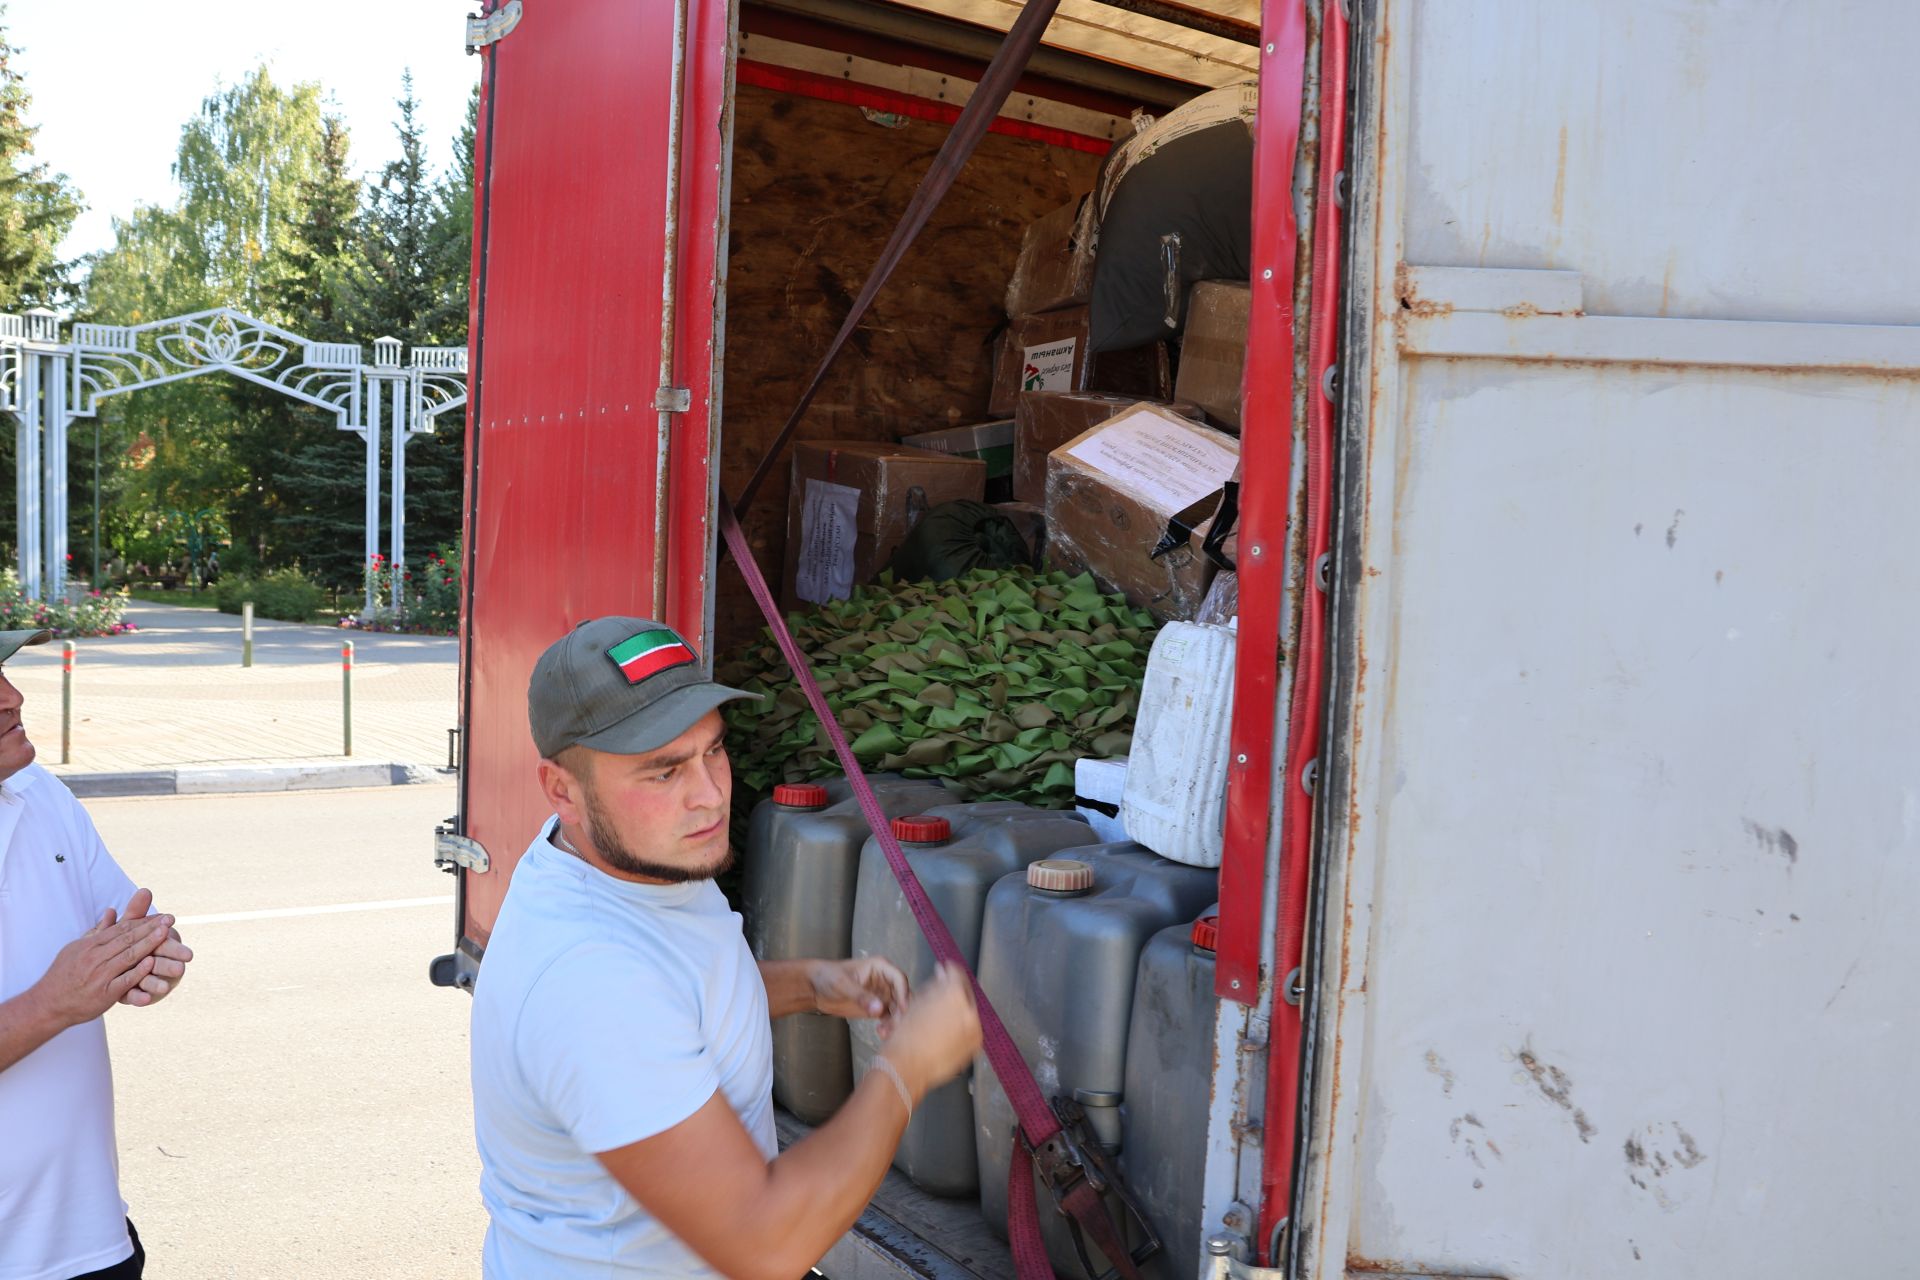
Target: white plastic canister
[1175, 801]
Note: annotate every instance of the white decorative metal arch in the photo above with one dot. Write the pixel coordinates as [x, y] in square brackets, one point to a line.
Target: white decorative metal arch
[46, 383]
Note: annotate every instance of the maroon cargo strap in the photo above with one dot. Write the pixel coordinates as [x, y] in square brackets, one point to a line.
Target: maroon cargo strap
[1002, 74]
[1037, 1121]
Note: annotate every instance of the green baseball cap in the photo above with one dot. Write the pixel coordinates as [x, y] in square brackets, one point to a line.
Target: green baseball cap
[621, 685]
[12, 642]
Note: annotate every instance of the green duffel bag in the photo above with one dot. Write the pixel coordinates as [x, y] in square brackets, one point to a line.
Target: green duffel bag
[955, 538]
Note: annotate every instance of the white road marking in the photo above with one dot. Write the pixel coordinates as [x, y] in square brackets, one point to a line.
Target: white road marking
[336, 908]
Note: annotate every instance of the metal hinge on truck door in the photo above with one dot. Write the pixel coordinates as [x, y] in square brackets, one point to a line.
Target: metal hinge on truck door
[451, 851]
[484, 28]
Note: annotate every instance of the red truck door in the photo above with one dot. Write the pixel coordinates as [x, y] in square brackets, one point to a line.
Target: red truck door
[580, 268]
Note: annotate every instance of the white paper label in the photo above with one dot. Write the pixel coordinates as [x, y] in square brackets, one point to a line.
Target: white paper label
[1167, 464]
[829, 522]
[1049, 368]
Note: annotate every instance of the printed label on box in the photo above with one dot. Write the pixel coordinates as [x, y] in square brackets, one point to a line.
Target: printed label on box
[829, 522]
[1168, 464]
[1049, 368]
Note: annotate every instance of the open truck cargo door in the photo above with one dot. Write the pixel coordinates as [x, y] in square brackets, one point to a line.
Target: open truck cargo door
[592, 396]
[1620, 815]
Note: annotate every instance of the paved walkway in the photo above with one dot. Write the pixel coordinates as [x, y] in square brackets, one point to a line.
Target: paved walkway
[174, 694]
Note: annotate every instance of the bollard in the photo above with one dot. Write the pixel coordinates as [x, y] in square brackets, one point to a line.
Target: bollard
[66, 702]
[346, 695]
[246, 633]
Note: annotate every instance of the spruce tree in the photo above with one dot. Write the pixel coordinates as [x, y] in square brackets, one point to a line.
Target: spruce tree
[319, 521]
[399, 290]
[37, 205]
[37, 208]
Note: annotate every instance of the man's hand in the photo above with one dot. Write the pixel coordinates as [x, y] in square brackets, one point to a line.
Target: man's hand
[169, 958]
[864, 987]
[707, 1182]
[100, 967]
[939, 1035]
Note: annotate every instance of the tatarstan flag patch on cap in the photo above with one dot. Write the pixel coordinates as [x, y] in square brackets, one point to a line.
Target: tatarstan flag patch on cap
[650, 653]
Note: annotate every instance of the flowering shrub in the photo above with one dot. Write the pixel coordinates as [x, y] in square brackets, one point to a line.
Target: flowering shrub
[284, 594]
[429, 596]
[97, 613]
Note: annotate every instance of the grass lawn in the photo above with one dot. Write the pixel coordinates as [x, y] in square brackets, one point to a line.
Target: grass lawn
[185, 599]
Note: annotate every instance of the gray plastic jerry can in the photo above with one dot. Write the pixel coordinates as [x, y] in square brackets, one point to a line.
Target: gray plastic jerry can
[797, 882]
[1163, 1113]
[1059, 957]
[957, 852]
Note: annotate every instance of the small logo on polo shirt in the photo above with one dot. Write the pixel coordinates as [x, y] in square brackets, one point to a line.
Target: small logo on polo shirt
[59, 857]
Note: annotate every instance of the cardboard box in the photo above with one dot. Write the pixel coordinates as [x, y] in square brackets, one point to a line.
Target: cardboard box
[1049, 353]
[1213, 354]
[1055, 268]
[1112, 492]
[1221, 608]
[990, 442]
[852, 505]
[1228, 509]
[1045, 420]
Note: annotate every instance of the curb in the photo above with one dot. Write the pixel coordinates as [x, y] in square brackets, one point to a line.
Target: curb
[249, 779]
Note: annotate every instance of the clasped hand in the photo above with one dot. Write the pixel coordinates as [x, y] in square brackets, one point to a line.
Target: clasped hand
[127, 957]
[863, 987]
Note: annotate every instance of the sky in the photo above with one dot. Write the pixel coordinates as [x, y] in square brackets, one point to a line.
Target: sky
[113, 81]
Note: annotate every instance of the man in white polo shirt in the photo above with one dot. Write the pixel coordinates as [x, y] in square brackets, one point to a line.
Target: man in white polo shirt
[622, 1056]
[75, 938]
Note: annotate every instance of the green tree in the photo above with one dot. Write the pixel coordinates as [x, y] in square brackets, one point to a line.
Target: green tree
[437, 463]
[245, 165]
[37, 205]
[450, 241]
[320, 519]
[393, 293]
[415, 248]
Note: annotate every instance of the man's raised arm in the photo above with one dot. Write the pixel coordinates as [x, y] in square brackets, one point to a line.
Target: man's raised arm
[751, 1219]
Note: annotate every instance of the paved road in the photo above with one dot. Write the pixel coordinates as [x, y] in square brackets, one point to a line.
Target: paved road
[174, 693]
[300, 1106]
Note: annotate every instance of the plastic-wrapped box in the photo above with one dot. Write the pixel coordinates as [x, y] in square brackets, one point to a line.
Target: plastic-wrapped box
[854, 501]
[1052, 352]
[1213, 352]
[1055, 268]
[990, 442]
[1221, 608]
[1045, 420]
[1116, 496]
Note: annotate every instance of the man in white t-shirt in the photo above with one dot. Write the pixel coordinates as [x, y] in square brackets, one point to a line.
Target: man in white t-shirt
[622, 1057]
[75, 938]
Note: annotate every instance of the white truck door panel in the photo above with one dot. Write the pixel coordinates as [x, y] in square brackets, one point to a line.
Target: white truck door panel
[1621, 842]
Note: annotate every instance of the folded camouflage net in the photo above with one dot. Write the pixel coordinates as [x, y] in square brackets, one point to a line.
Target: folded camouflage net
[996, 681]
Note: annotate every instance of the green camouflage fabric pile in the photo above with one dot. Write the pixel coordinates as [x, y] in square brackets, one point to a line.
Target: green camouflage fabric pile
[996, 682]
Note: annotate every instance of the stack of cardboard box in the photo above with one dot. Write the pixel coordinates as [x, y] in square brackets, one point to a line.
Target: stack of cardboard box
[1101, 462]
[1049, 322]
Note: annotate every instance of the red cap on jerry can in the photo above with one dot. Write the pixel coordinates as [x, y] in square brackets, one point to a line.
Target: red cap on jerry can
[1206, 933]
[801, 795]
[921, 828]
